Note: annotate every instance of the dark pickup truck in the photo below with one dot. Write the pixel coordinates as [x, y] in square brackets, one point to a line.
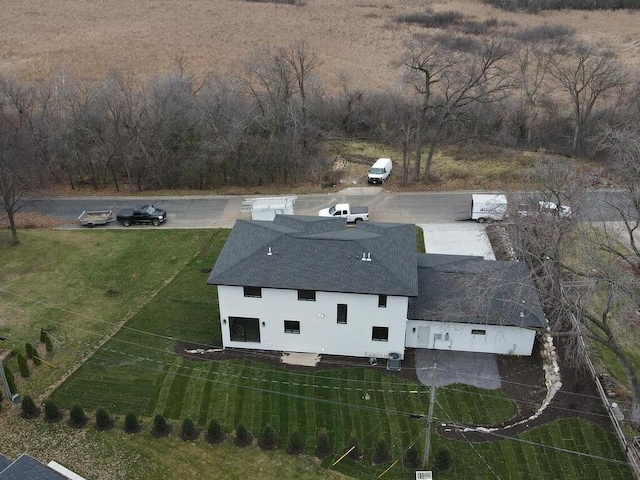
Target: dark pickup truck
[142, 214]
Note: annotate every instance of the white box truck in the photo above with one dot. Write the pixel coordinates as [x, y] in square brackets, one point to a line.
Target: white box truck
[488, 207]
[380, 171]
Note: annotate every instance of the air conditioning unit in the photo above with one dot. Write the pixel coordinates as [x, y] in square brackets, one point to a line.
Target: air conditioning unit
[393, 362]
[424, 475]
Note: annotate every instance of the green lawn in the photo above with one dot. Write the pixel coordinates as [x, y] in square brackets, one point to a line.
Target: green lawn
[153, 280]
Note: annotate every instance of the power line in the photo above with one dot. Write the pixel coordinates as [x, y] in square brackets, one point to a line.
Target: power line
[473, 446]
[249, 352]
[126, 342]
[327, 401]
[536, 444]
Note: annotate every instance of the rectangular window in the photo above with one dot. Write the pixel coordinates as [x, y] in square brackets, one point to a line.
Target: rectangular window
[307, 295]
[382, 301]
[478, 332]
[342, 313]
[380, 334]
[291, 326]
[255, 292]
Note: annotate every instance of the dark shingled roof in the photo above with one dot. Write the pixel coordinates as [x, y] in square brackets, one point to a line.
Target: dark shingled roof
[26, 467]
[468, 289]
[318, 253]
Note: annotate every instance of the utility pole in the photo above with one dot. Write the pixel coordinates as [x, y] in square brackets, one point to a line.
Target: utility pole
[427, 436]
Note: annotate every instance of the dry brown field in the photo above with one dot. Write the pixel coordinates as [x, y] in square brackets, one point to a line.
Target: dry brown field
[87, 38]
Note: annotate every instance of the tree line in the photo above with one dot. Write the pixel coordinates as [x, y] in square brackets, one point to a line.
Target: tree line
[541, 88]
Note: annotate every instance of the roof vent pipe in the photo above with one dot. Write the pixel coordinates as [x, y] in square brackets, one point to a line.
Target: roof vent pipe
[269, 252]
[369, 257]
[364, 257]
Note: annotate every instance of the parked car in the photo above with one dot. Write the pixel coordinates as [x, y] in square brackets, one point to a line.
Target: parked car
[563, 211]
[344, 210]
[142, 214]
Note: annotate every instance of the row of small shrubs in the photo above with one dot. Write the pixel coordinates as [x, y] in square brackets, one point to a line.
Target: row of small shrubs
[31, 353]
[268, 439]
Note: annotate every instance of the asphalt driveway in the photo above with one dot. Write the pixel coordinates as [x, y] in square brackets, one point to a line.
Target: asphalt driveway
[469, 368]
[477, 369]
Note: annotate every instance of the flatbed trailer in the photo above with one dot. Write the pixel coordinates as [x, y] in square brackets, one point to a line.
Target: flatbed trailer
[96, 217]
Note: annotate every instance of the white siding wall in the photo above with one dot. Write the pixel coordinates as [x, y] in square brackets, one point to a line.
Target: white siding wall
[457, 336]
[319, 330]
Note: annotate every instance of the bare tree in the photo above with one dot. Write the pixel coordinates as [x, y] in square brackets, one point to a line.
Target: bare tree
[350, 104]
[278, 83]
[15, 162]
[622, 145]
[605, 303]
[537, 47]
[303, 61]
[540, 235]
[587, 75]
[585, 288]
[426, 60]
[406, 123]
[451, 74]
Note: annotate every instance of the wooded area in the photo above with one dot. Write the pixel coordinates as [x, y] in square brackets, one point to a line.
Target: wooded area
[543, 89]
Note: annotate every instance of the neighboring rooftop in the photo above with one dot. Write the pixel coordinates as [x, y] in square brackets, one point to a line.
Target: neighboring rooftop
[27, 468]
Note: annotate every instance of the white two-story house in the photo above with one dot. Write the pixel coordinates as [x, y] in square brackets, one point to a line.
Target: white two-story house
[316, 285]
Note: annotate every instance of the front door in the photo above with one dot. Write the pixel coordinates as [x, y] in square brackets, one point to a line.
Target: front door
[423, 337]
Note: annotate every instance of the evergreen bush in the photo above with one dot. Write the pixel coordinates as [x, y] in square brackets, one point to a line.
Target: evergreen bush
[43, 335]
[243, 437]
[77, 418]
[296, 444]
[29, 350]
[131, 424]
[356, 453]
[35, 356]
[29, 408]
[323, 444]
[51, 411]
[23, 367]
[382, 452]
[188, 429]
[11, 381]
[48, 344]
[160, 426]
[215, 433]
[268, 439]
[103, 419]
[442, 460]
[412, 458]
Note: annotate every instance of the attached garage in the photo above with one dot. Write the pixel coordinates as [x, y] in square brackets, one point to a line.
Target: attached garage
[469, 304]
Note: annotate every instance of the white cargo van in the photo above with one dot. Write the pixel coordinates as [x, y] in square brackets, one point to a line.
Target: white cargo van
[380, 171]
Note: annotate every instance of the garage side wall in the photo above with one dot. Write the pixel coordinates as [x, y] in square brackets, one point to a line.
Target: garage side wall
[504, 340]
